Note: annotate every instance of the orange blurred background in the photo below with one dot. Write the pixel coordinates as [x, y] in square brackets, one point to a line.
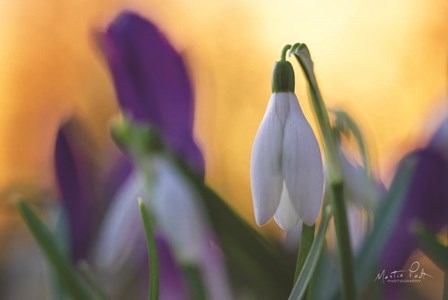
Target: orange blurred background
[385, 62]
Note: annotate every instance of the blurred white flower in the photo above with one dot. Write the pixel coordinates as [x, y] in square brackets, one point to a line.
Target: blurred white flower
[179, 218]
[179, 215]
[360, 187]
[121, 228]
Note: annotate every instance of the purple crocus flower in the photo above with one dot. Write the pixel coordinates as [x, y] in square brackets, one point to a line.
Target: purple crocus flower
[152, 83]
[426, 200]
[74, 180]
[169, 273]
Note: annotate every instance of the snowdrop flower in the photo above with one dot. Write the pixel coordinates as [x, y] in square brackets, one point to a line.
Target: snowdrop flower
[286, 164]
[180, 219]
[179, 215]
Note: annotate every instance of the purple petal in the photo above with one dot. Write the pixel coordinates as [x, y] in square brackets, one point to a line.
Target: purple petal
[214, 271]
[121, 170]
[426, 200]
[172, 284]
[74, 179]
[152, 82]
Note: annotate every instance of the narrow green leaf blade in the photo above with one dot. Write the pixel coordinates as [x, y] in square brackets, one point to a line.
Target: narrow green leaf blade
[261, 260]
[70, 280]
[152, 252]
[311, 262]
[248, 247]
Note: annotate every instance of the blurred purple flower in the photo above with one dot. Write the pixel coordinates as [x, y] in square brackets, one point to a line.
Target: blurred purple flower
[426, 200]
[152, 82]
[74, 180]
[172, 284]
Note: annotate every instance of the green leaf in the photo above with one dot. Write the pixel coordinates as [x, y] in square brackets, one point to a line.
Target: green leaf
[311, 262]
[306, 241]
[385, 218]
[265, 264]
[152, 252]
[262, 260]
[70, 280]
[431, 246]
[195, 282]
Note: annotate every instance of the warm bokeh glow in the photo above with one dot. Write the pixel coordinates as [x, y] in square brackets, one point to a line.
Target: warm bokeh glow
[384, 62]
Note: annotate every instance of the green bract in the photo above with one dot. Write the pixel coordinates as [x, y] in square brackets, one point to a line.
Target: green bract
[283, 77]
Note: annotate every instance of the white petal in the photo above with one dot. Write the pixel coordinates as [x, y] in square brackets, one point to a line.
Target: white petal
[358, 186]
[177, 211]
[357, 225]
[265, 165]
[302, 165]
[286, 215]
[292, 238]
[119, 230]
[355, 180]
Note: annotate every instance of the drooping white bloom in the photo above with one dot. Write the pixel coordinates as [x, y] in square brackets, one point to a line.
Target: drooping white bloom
[179, 215]
[121, 227]
[286, 164]
[171, 199]
[179, 218]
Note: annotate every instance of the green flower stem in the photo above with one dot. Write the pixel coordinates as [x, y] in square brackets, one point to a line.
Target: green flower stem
[284, 52]
[302, 54]
[343, 241]
[152, 251]
[344, 119]
[306, 241]
[305, 276]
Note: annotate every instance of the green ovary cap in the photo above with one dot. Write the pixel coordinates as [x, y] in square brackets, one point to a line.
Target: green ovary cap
[283, 77]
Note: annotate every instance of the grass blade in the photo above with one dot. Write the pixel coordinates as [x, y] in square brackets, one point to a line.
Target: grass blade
[152, 252]
[70, 280]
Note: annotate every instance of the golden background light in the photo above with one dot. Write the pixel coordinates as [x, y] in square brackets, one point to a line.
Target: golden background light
[385, 62]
